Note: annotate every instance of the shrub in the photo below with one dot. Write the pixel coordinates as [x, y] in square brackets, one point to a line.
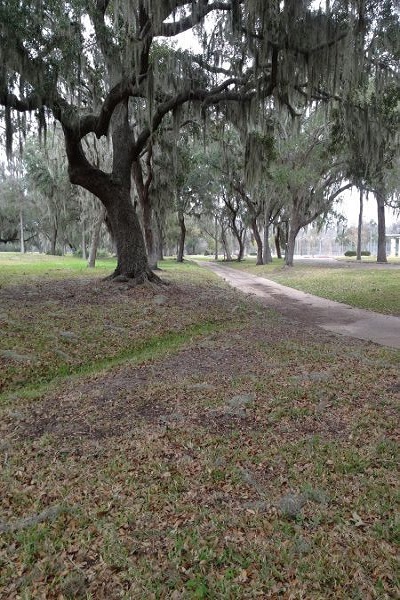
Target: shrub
[354, 253]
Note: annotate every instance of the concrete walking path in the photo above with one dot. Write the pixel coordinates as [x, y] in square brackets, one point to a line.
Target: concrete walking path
[327, 314]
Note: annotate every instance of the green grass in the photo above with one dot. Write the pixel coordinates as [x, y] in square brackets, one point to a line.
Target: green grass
[156, 488]
[48, 334]
[376, 289]
[151, 348]
[16, 268]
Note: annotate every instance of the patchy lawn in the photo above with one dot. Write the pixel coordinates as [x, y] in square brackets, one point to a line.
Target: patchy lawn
[370, 286]
[201, 447]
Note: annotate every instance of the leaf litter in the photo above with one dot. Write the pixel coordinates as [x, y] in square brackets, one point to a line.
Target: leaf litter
[227, 467]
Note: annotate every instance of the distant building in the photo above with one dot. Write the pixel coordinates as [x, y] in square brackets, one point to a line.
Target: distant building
[394, 239]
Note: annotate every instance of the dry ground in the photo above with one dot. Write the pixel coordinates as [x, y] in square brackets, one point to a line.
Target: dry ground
[242, 455]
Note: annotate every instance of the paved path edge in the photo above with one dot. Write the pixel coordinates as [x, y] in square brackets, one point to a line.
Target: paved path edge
[329, 315]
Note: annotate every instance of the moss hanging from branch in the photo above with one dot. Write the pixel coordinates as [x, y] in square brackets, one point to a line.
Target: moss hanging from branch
[9, 131]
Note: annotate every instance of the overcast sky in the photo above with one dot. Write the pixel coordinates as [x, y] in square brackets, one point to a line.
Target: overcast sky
[350, 208]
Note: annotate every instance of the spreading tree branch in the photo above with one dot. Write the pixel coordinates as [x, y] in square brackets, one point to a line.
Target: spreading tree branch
[199, 11]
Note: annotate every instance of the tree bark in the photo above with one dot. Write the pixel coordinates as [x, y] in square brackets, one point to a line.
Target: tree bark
[147, 214]
[380, 199]
[277, 239]
[160, 245]
[182, 236]
[21, 231]
[360, 220]
[114, 192]
[95, 238]
[241, 249]
[224, 240]
[83, 240]
[53, 238]
[239, 233]
[257, 237]
[159, 236]
[143, 187]
[127, 235]
[267, 256]
[216, 236]
[290, 246]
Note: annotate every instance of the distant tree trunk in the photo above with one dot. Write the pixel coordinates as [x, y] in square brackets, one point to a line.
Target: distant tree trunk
[94, 242]
[257, 237]
[291, 242]
[225, 243]
[182, 236]
[160, 237]
[380, 199]
[239, 233]
[83, 240]
[267, 256]
[277, 239]
[360, 219]
[53, 237]
[147, 213]
[216, 236]
[21, 231]
[241, 248]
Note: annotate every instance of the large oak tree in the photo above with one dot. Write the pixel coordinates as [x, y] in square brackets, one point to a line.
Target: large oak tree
[93, 65]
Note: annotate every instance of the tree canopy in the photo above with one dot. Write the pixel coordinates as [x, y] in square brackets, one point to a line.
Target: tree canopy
[102, 68]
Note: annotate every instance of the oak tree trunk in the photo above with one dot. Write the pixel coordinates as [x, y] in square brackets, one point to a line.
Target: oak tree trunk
[21, 232]
[143, 187]
[127, 235]
[159, 235]
[277, 239]
[182, 236]
[53, 239]
[94, 242]
[290, 246]
[225, 244]
[267, 256]
[380, 199]
[147, 214]
[359, 230]
[83, 231]
[241, 249]
[257, 237]
[114, 192]
[216, 237]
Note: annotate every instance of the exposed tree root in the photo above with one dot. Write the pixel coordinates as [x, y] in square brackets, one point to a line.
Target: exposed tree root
[147, 277]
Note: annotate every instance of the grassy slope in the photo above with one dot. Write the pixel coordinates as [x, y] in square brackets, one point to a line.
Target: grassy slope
[16, 268]
[371, 288]
[147, 477]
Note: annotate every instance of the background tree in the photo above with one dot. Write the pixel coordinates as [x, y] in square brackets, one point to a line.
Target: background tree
[47, 174]
[12, 218]
[284, 49]
[368, 119]
[306, 175]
